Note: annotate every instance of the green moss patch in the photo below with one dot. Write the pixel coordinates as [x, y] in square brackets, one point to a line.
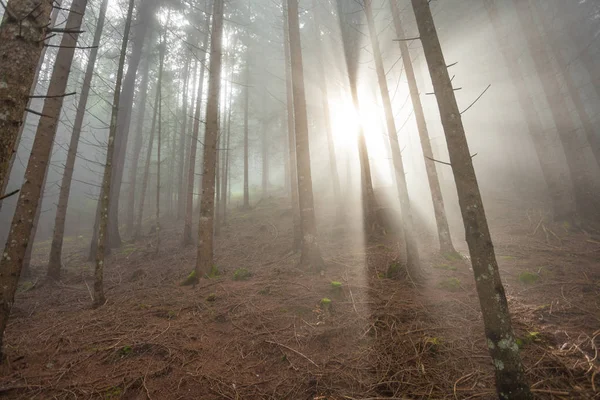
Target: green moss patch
[451, 285]
[242, 274]
[528, 278]
[191, 279]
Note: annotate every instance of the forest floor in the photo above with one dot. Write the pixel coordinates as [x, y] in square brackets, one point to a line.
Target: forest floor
[267, 334]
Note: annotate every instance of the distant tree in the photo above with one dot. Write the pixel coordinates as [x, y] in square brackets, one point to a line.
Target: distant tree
[35, 174]
[204, 259]
[510, 375]
[20, 52]
[99, 298]
[311, 253]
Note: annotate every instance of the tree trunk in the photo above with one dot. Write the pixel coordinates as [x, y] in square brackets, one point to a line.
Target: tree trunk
[137, 150]
[310, 253]
[246, 107]
[163, 49]
[412, 250]
[444, 237]
[20, 53]
[265, 158]
[99, 298]
[297, 228]
[204, 259]
[189, 206]
[561, 115]
[54, 265]
[510, 375]
[182, 140]
[145, 14]
[31, 191]
[556, 175]
[333, 168]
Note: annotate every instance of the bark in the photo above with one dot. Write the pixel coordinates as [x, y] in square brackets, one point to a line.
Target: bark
[22, 34]
[333, 168]
[182, 140]
[163, 49]
[246, 109]
[510, 375]
[204, 259]
[561, 115]
[55, 263]
[145, 12]
[31, 191]
[189, 206]
[444, 237]
[556, 175]
[99, 298]
[297, 228]
[137, 150]
[265, 158]
[412, 251]
[310, 252]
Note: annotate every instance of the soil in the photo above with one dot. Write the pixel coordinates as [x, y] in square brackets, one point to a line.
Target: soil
[267, 332]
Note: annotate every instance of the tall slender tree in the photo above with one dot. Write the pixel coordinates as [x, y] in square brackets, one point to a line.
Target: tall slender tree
[246, 134]
[311, 253]
[510, 375]
[31, 191]
[204, 259]
[54, 265]
[99, 298]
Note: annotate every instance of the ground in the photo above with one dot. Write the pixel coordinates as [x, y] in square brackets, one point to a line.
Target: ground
[266, 328]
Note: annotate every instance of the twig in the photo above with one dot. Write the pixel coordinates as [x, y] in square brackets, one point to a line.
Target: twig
[475, 101]
[9, 194]
[295, 351]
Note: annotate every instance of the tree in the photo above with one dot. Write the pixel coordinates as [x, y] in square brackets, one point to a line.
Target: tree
[31, 191]
[502, 345]
[184, 119]
[444, 237]
[246, 112]
[162, 51]
[412, 251]
[99, 298]
[20, 51]
[204, 259]
[54, 265]
[310, 252]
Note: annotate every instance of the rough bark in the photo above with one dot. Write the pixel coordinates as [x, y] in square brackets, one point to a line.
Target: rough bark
[182, 140]
[31, 191]
[99, 298]
[54, 265]
[310, 251]
[556, 175]
[502, 345]
[204, 259]
[137, 150]
[246, 109]
[561, 115]
[163, 49]
[297, 228]
[22, 34]
[412, 251]
[443, 230]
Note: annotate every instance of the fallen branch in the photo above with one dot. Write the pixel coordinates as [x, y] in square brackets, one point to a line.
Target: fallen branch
[295, 351]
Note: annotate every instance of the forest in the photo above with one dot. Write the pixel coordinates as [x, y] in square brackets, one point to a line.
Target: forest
[300, 199]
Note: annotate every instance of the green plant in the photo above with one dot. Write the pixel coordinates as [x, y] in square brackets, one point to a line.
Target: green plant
[241, 274]
[453, 256]
[451, 284]
[113, 393]
[214, 272]
[171, 314]
[445, 267]
[325, 303]
[528, 278]
[211, 297]
[191, 279]
[393, 269]
[125, 351]
[530, 337]
[336, 285]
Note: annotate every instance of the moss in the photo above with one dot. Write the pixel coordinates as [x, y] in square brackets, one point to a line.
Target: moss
[241, 274]
[528, 278]
[213, 273]
[191, 279]
[530, 337]
[445, 267]
[211, 297]
[336, 285]
[125, 351]
[451, 285]
[393, 269]
[325, 303]
[452, 256]
[171, 314]
[112, 393]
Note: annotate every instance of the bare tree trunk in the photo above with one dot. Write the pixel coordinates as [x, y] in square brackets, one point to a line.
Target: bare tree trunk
[412, 250]
[20, 53]
[439, 211]
[311, 254]
[99, 298]
[333, 168]
[189, 206]
[561, 115]
[182, 140]
[296, 226]
[137, 149]
[163, 49]
[556, 175]
[31, 191]
[246, 107]
[264, 138]
[54, 265]
[510, 375]
[204, 259]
